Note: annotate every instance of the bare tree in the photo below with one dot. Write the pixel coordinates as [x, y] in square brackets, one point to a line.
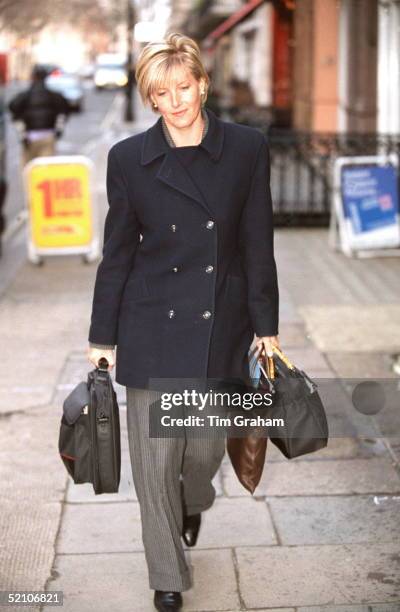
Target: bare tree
[23, 17]
[27, 17]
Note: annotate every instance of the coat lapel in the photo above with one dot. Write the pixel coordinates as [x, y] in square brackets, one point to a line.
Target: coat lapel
[174, 174]
[171, 171]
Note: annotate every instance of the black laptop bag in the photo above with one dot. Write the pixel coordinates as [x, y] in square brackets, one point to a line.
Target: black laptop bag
[90, 438]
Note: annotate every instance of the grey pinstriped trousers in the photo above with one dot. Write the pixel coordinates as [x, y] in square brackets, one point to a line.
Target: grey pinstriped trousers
[166, 473]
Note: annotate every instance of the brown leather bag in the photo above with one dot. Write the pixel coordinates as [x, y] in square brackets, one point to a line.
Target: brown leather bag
[247, 453]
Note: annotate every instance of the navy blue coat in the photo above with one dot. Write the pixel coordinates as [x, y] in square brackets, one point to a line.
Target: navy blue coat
[188, 272]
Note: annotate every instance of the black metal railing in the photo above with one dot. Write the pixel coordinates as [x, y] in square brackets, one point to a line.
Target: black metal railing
[302, 169]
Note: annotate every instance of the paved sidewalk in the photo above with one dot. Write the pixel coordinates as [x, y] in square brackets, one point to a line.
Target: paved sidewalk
[321, 532]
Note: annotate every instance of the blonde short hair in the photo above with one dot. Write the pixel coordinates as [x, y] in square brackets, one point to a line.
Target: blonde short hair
[158, 58]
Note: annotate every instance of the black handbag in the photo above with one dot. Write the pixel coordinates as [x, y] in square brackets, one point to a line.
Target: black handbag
[90, 439]
[296, 402]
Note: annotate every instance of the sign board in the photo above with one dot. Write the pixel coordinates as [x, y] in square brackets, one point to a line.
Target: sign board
[366, 203]
[62, 219]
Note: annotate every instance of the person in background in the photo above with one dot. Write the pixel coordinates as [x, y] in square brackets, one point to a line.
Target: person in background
[39, 109]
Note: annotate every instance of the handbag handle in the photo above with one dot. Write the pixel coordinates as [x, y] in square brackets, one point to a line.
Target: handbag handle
[271, 367]
[283, 357]
[269, 362]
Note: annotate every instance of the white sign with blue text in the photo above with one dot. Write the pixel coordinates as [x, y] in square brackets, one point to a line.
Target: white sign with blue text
[366, 202]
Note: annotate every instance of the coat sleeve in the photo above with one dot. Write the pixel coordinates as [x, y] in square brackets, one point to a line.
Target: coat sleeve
[121, 238]
[61, 105]
[257, 247]
[16, 106]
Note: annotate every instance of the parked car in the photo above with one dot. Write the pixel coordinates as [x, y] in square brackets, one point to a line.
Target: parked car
[70, 87]
[87, 71]
[110, 71]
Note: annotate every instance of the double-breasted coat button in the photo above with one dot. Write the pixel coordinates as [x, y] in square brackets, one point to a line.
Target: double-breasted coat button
[209, 269]
[206, 314]
[175, 269]
[173, 227]
[210, 224]
[171, 313]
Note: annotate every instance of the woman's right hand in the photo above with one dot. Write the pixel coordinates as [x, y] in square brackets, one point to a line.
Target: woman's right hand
[95, 354]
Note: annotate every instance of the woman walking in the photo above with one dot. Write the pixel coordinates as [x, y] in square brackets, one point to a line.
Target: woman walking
[188, 276]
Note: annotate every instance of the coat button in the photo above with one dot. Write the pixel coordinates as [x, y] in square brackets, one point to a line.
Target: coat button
[175, 269]
[210, 224]
[171, 313]
[206, 314]
[173, 227]
[209, 269]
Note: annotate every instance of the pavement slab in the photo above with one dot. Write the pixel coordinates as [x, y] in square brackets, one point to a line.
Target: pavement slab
[374, 607]
[319, 575]
[354, 330]
[336, 519]
[96, 528]
[102, 582]
[337, 448]
[345, 608]
[214, 581]
[119, 581]
[32, 485]
[335, 477]
[358, 364]
[344, 280]
[236, 522]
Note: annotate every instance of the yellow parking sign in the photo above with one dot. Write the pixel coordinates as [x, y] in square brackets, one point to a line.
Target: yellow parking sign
[59, 197]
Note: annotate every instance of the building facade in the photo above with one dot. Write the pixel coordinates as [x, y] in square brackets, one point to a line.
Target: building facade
[316, 65]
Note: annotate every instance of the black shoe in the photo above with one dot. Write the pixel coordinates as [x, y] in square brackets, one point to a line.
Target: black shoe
[191, 526]
[168, 601]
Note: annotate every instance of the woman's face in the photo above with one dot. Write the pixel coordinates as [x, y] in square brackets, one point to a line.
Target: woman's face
[181, 93]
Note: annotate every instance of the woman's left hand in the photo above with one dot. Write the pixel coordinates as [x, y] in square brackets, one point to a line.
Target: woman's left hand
[264, 344]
